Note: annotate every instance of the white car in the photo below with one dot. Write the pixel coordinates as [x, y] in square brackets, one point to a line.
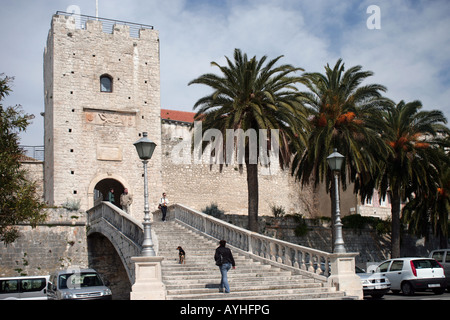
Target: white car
[414, 274]
[374, 284]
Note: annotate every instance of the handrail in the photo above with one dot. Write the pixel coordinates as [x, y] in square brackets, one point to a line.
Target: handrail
[126, 224]
[279, 251]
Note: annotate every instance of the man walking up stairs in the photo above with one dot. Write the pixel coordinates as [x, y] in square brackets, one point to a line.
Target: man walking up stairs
[199, 277]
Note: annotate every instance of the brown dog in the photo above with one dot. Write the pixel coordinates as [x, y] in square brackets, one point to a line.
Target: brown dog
[182, 255]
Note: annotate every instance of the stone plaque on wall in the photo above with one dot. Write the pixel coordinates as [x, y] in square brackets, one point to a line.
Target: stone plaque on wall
[109, 152]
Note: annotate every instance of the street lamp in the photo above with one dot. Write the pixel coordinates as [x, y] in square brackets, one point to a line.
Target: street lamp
[145, 148]
[335, 161]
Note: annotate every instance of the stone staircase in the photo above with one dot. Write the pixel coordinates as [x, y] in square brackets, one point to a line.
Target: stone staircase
[199, 277]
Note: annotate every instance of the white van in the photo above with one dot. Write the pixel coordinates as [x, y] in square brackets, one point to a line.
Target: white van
[443, 257]
[24, 288]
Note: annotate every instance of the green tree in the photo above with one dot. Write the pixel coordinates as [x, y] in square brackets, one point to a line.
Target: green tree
[431, 210]
[344, 115]
[18, 200]
[253, 94]
[412, 169]
[439, 216]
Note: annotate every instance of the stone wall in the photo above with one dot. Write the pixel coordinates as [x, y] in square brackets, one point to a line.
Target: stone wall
[199, 185]
[57, 244]
[61, 243]
[35, 173]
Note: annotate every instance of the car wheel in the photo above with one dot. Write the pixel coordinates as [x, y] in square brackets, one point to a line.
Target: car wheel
[407, 289]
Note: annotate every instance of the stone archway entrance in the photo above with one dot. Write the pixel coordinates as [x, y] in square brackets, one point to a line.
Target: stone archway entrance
[102, 189]
[100, 186]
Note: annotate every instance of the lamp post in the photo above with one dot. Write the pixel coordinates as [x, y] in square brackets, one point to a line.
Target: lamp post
[145, 148]
[335, 161]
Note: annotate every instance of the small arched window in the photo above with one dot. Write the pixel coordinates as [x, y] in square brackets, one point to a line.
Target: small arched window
[106, 83]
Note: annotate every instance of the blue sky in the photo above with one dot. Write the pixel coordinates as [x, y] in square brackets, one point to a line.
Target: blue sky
[410, 54]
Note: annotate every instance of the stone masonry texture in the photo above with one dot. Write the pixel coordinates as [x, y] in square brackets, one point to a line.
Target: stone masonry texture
[89, 134]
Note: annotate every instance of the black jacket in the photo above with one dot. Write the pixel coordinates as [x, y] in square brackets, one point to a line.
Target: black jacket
[227, 256]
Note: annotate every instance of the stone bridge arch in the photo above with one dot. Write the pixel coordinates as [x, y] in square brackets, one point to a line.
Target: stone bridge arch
[103, 257]
[116, 235]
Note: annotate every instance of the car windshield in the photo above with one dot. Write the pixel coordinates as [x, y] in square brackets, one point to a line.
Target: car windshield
[79, 280]
[359, 270]
[425, 263]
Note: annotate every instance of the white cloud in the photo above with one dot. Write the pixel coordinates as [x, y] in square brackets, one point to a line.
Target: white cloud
[409, 55]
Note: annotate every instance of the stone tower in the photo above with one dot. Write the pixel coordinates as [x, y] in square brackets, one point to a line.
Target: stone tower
[102, 90]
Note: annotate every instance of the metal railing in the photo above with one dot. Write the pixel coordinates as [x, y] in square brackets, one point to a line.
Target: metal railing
[107, 24]
[35, 152]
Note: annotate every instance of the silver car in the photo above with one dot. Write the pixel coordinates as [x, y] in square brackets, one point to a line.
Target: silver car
[77, 284]
[375, 285]
[443, 257]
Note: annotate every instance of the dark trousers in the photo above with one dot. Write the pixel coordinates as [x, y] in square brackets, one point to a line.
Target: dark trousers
[164, 212]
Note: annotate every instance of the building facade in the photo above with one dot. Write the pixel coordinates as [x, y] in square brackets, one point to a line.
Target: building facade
[101, 92]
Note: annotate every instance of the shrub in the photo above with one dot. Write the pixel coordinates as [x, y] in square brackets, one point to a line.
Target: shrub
[213, 210]
[278, 211]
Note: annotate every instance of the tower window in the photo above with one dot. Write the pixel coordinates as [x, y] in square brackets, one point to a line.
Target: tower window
[106, 83]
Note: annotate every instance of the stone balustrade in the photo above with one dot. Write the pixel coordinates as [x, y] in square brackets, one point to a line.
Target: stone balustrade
[124, 232]
[124, 223]
[336, 269]
[288, 254]
[111, 221]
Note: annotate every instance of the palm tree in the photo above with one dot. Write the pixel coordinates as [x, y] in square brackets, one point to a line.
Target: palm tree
[439, 217]
[253, 94]
[430, 210]
[344, 115]
[413, 166]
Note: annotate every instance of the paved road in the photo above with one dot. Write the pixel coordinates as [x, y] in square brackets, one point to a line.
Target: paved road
[416, 296]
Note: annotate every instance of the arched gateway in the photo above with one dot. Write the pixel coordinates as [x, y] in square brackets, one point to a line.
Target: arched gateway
[101, 185]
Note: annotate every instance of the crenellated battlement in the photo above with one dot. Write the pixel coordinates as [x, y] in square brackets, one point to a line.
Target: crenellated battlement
[83, 22]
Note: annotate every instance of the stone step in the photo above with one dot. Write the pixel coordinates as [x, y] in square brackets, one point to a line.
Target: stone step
[206, 271]
[248, 278]
[214, 283]
[258, 274]
[238, 288]
[199, 277]
[186, 268]
[206, 282]
[296, 293]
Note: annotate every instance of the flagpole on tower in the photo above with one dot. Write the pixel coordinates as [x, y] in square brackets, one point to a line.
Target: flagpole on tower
[96, 8]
